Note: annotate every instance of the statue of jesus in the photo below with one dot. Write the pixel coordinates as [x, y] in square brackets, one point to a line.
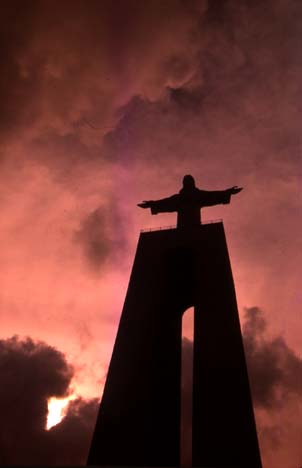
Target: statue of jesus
[188, 202]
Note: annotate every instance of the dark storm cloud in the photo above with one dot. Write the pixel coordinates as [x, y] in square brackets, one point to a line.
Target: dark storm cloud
[241, 79]
[275, 374]
[101, 236]
[155, 75]
[17, 25]
[153, 131]
[93, 238]
[65, 70]
[31, 372]
[188, 99]
[275, 370]
[72, 437]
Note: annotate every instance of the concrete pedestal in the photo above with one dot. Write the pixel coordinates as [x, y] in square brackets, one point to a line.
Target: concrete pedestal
[139, 417]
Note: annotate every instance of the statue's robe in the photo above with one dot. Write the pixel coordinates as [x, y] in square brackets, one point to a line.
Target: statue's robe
[188, 203]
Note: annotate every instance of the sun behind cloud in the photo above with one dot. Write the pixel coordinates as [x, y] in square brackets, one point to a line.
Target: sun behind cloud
[57, 410]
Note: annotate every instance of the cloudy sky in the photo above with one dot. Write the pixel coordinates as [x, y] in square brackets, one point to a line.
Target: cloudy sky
[104, 104]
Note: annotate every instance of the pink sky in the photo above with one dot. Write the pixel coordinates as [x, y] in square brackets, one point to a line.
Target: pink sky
[105, 104]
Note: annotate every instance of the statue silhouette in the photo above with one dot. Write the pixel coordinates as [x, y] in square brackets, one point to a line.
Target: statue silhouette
[139, 420]
[189, 201]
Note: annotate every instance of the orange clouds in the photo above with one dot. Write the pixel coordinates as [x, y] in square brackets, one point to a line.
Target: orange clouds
[104, 104]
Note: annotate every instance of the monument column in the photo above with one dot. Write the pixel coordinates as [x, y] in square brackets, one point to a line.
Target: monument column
[224, 431]
[139, 417]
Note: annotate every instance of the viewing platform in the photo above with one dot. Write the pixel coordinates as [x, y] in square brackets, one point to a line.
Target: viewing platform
[173, 226]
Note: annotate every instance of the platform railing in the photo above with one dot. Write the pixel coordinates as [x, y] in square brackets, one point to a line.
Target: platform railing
[173, 226]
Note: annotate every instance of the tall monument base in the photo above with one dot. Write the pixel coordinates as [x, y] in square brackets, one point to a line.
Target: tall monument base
[139, 417]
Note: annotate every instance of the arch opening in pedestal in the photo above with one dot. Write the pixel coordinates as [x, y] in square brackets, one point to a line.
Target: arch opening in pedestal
[186, 388]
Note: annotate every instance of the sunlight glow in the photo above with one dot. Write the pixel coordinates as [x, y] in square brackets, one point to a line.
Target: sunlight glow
[186, 388]
[57, 409]
[188, 324]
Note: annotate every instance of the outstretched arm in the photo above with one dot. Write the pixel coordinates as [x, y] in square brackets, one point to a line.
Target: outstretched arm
[235, 189]
[165, 205]
[217, 197]
[145, 204]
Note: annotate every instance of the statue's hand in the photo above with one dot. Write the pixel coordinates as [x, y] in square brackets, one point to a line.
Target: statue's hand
[145, 204]
[235, 189]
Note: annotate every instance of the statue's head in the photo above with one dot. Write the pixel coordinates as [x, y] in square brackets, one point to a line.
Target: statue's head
[188, 181]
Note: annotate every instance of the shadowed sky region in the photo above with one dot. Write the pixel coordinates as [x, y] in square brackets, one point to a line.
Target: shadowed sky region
[105, 104]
